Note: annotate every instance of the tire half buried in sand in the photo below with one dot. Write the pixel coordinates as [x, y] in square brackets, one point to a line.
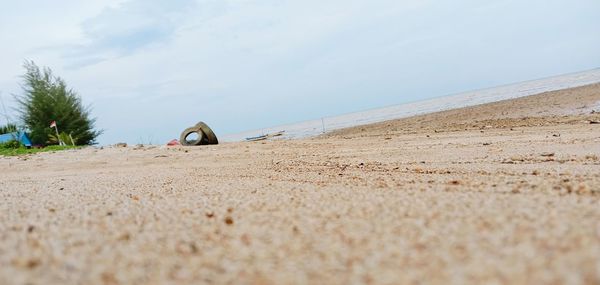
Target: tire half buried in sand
[205, 135]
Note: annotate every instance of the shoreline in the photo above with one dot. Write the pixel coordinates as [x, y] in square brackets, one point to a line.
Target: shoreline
[314, 127]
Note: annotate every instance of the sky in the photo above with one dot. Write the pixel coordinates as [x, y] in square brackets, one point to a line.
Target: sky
[151, 68]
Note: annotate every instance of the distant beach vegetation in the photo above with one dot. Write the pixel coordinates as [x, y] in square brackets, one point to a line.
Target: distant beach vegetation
[51, 116]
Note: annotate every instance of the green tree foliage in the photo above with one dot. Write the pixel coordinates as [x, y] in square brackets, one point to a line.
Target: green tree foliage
[46, 98]
[62, 137]
[8, 128]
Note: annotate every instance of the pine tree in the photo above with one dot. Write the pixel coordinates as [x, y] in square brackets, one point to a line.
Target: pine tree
[46, 98]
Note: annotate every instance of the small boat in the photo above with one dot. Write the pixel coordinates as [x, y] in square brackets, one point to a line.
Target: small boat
[280, 133]
[258, 138]
[264, 137]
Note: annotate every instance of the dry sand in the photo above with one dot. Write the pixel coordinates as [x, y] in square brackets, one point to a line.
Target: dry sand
[503, 193]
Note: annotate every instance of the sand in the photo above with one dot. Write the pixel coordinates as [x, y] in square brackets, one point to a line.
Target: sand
[503, 193]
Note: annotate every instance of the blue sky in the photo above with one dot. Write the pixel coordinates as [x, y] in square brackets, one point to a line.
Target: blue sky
[152, 68]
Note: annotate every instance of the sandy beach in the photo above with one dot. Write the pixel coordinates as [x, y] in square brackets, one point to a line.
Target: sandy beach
[502, 193]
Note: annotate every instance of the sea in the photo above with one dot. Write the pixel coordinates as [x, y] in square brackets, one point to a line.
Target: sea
[319, 126]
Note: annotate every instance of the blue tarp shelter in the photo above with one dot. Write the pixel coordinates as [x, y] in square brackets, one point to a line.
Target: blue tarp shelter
[19, 136]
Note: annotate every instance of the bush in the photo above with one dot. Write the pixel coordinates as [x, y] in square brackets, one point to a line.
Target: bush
[46, 99]
[10, 145]
[62, 137]
[8, 128]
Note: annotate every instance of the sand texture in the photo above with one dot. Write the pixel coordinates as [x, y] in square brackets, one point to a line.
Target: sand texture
[503, 193]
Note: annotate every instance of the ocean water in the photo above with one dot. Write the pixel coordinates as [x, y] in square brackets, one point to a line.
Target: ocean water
[318, 126]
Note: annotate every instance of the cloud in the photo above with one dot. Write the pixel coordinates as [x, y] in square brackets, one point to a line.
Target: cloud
[154, 67]
[125, 29]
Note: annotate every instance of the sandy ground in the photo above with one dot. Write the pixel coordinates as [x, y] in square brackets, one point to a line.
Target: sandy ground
[504, 193]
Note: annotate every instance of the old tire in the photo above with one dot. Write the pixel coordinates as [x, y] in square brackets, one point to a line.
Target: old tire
[209, 136]
[183, 138]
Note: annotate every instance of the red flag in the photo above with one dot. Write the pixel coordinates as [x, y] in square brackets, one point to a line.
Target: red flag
[53, 124]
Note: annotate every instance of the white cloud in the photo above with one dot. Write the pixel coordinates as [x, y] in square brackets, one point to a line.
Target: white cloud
[152, 67]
